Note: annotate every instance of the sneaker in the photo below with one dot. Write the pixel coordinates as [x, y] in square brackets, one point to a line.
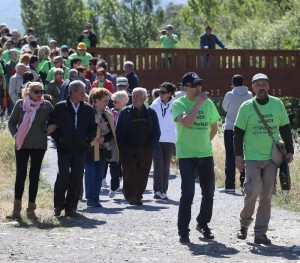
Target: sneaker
[184, 239]
[97, 203]
[104, 183]
[57, 212]
[227, 191]
[72, 213]
[158, 195]
[242, 233]
[262, 239]
[205, 231]
[112, 194]
[165, 196]
[90, 203]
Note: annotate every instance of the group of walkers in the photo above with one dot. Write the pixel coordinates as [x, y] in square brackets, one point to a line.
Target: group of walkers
[97, 122]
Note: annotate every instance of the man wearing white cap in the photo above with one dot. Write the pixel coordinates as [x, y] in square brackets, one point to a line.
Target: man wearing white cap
[252, 140]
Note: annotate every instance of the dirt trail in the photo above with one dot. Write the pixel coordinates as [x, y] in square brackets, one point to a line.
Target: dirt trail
[119, 232]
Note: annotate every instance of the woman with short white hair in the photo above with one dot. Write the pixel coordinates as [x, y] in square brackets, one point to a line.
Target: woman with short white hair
[137, 134]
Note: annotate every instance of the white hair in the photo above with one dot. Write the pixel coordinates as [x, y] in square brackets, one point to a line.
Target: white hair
[121, 95]
[143, 91]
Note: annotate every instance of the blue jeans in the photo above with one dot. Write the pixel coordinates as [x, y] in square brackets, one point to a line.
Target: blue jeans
[204, 169]
[230, 162]
[94, 172]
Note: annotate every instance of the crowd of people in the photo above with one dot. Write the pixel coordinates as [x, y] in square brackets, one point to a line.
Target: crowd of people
[97, 121]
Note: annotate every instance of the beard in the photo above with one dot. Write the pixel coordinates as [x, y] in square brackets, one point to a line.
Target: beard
[262, 94]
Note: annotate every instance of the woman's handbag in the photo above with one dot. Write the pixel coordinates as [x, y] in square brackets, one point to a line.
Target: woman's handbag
[278, 149]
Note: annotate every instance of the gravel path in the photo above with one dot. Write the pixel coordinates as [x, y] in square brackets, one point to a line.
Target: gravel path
[119, 232]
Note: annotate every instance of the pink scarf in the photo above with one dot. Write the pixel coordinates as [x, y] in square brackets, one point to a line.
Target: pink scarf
[30, 107]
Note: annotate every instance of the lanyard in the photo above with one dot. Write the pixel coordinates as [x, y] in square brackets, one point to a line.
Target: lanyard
[164, 109]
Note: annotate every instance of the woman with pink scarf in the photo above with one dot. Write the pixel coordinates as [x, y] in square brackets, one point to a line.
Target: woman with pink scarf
[27, 124]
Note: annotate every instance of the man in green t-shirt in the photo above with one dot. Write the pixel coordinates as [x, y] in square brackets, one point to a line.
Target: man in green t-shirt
[251, 138]
[196, 118]
[82, 54]
[168, 40]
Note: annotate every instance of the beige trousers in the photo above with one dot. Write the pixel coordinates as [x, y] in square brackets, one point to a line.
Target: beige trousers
[259, 182]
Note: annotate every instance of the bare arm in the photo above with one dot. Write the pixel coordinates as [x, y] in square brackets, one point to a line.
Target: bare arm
[158, 36]
[171, 38]
[187, 119]
[213, 130]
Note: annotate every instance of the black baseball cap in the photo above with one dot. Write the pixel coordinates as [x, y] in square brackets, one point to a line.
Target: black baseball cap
[191, 79]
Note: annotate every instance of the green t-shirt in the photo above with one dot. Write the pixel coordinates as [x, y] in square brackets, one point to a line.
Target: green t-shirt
[84, 59]
[194, 141]
[100, 84]
[45, 67]
[5, 55]
[257, 142]
[167, 43]
[86, 41]
[50, 75]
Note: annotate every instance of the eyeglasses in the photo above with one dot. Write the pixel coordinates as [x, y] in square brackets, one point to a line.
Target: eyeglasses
[116, 101]
[39, 91]
[162, 92]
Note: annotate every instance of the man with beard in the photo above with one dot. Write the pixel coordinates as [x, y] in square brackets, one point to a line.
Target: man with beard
[251, 135]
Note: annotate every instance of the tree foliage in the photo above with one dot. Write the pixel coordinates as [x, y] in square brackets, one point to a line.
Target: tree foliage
[247, 24]
[62, 21]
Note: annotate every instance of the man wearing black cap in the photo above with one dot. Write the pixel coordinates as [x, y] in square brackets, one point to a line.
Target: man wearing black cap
[196, 118]
[252, 140]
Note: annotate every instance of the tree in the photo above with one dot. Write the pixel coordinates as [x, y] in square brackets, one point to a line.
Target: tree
[62, 21]
[128, 23]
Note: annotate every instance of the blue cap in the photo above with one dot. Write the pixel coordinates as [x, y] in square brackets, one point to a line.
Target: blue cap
[64, 47]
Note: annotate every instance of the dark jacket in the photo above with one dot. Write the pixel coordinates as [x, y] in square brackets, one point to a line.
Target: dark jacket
[66, 137]
[133, 81]
[124, 119]
[92, 37]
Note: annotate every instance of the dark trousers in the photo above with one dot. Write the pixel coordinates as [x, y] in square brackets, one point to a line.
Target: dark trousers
[230, 162]
[69, 179]
[22, 158]
[115, 175]
[136, 164]
[161, 162]
[204, 169]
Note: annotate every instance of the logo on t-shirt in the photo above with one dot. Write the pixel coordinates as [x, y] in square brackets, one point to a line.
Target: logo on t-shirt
[200, 122]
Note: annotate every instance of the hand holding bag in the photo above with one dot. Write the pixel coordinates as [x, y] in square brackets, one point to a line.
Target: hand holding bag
[278, 148]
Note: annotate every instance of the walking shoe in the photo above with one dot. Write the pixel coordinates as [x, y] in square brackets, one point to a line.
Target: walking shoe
[205, 231]
[227, 191]
[164, 196]
[184, 239]
[136, 202]
[71, 213]
[104, 183]
[57, 212]
[97, 203]
[112, 194]
[262, 239]
[158, 195]
[90, 203]
[242, 233]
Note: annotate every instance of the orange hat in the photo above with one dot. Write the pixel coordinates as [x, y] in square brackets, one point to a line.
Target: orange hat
[81, 46]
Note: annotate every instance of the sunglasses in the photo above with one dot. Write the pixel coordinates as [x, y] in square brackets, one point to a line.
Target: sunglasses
[39, 91]
[100, 75]
[162, 92]
[22, 43]
[59, 73]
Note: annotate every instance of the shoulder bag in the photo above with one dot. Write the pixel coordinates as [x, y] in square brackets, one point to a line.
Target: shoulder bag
[277, 155]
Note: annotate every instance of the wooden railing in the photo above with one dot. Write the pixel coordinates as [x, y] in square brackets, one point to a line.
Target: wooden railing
[216, 67]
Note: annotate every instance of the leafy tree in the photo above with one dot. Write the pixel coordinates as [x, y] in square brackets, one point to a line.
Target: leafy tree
[62, 21]
[128, 23]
